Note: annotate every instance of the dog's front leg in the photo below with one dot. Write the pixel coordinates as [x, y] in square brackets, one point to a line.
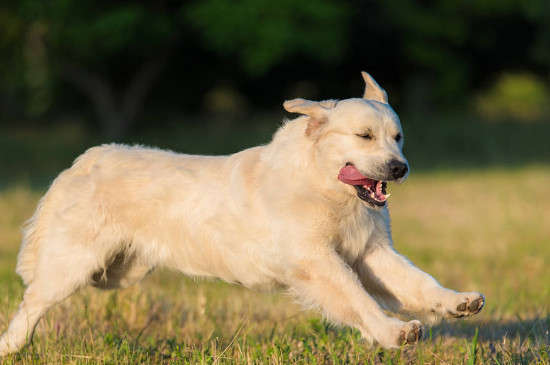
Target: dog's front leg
[324, 281]
[402, 287]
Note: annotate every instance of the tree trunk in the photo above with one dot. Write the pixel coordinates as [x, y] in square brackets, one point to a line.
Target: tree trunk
[116, 118]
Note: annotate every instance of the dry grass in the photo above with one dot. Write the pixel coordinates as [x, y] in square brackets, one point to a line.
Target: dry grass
[485, 231]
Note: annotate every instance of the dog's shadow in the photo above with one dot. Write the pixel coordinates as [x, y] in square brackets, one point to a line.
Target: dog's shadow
[535, 328]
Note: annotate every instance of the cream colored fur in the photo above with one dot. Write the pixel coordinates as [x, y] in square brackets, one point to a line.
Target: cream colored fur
[274, 216]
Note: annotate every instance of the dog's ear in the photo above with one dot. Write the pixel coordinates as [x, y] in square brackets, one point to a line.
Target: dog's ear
[301, 106]
[313, 109]
[373, 91]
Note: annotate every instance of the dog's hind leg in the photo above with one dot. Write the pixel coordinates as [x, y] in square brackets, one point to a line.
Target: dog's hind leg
[58, 274]
[402, 287]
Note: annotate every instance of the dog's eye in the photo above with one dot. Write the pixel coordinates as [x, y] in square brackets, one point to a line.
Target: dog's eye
[398, 137]
[365, 136]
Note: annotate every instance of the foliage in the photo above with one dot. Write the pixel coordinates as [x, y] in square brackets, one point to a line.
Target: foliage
[520, 96]
[433, 54]
[262, 34]
[454, 42]
[96, 32]
[113, 52]
[81, 43]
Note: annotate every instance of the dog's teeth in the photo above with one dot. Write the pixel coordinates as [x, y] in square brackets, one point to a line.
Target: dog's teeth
[372, 195]
[387, 195]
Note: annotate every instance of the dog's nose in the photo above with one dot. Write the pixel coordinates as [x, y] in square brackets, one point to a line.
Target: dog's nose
[398, 169]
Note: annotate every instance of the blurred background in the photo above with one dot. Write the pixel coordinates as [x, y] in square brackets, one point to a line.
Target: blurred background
[470, 79]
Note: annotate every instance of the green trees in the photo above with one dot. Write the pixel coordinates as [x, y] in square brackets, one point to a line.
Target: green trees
[112, 52]
[263, 33]
[86, 44]
[54, 53]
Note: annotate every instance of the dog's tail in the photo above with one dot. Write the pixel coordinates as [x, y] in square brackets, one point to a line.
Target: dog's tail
[33, 233]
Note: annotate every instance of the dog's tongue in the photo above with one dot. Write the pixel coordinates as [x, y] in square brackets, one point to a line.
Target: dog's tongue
[350, 175]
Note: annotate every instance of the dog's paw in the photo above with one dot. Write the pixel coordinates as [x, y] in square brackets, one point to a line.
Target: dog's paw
[410, 334]
[470, 305]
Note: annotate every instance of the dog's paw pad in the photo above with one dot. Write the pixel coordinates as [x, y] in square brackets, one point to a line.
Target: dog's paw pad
[476, 305]
[410, 338]
[468, 308]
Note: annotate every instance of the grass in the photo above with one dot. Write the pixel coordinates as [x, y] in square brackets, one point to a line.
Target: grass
[474, 228]
[473, 231]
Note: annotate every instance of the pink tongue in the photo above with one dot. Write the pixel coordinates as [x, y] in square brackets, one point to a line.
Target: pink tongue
[350, 175]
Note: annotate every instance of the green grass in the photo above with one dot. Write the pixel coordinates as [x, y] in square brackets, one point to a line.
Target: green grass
[484, 226]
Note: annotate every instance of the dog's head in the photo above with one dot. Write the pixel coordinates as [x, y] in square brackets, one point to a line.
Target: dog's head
[358, 141]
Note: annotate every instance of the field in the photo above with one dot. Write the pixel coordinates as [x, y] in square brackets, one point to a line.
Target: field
[475, 228]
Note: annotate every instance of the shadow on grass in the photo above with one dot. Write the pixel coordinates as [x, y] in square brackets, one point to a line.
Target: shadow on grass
[495, 330]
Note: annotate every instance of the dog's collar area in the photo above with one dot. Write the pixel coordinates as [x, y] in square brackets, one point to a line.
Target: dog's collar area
[370, 190]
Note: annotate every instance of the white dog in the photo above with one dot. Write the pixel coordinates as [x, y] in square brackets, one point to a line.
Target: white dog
[306, 212]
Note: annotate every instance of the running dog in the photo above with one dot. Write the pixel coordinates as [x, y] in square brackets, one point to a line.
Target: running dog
[306, 212]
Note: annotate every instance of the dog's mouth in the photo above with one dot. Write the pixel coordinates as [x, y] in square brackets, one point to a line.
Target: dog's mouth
[370, 190]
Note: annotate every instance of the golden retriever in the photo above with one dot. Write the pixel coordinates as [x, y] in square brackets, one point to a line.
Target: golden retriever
[306, 212]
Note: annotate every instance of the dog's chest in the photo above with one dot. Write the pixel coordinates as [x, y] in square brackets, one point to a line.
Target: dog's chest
[358, 231]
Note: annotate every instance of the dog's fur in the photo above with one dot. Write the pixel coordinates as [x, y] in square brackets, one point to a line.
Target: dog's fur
[270, 216]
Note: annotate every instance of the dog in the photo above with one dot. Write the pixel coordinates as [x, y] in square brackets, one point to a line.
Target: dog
[306, 212]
